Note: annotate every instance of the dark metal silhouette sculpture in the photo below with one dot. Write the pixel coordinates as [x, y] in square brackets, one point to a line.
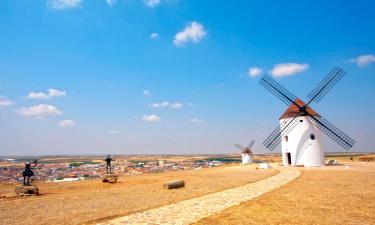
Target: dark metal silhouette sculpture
[27, 172]
[108, 160]
[315, 96]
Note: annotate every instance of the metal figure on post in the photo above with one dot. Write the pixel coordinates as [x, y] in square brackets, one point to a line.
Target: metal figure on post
[109, 177]
[27, 172]
[108, 160]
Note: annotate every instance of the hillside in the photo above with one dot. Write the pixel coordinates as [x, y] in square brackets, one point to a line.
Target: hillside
[92, 200]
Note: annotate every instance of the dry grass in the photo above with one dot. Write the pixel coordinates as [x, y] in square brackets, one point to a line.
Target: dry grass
[329, 195]
[91, 200]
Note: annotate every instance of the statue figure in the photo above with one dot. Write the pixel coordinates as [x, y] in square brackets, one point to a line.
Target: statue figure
[108, 160]
[109, 177]
[27, 172]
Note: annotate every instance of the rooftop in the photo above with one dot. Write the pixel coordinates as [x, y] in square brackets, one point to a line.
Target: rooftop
[293, 110]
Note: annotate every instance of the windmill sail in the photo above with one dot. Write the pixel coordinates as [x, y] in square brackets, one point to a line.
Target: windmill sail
[275, 137]
[239, 146]
[315, 96]
[333, 132]
[251, 144]
[325, 85]
[279, 91]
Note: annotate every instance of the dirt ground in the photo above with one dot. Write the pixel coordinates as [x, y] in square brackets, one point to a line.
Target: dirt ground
[327, 195]
[91, 200]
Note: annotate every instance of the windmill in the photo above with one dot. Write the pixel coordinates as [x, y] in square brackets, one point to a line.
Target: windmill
[300, 126]
[247, 153]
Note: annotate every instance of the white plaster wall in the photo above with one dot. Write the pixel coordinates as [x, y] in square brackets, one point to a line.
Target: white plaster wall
[304, 151]
[246, 158]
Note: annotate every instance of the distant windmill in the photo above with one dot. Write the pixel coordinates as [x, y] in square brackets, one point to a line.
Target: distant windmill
[247, 153]
[300, 126]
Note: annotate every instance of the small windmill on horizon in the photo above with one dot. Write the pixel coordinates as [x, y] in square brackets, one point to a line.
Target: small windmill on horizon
[300, 126]
[246, 153]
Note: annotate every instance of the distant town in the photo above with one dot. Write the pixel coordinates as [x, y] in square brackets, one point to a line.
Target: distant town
[74, 170]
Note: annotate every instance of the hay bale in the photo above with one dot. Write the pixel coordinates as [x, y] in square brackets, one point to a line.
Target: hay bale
[110, 178]
[174, 184]
[26, 190]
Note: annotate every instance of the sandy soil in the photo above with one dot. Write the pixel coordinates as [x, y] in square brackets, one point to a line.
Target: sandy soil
[92, 200]
[327, 195]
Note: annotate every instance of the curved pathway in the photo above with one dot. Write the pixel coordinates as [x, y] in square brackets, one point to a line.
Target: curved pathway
[192, 210]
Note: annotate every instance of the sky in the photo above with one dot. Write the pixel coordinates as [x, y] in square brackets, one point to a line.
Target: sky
[177, 76]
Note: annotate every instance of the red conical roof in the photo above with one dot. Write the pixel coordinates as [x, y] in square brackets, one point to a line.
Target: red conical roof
[248, 151]
[293, 110]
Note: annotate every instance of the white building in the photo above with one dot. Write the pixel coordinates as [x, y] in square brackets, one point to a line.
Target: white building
[303, 145]
[247, 156]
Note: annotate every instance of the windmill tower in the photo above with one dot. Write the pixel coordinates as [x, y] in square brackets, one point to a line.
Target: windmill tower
[300, 130]
[246, 153]
[303, 144]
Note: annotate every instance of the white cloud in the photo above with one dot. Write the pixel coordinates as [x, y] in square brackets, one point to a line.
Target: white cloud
[287, 69]
[254, 71]
[66, 123]
[194, 32]
[152, 3]
[159, 105]
[151, 118]
[51, 93]
[111, 2]
[363, 60]
[196, 120]
[5, 102]
[37, 95]
[154, 35]
[146, 92]
[40, 110]
[176, 105]
[56, 93]
[165, 104]
[64, 4]
[114, 132]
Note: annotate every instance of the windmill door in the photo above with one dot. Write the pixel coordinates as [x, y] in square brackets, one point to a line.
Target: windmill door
[289, 158]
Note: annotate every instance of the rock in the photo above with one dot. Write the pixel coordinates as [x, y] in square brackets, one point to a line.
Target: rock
[264, 166]
[110, 178]
[26, 190]
[174, 184]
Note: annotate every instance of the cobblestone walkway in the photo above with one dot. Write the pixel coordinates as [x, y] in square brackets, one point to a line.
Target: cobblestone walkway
[192, 210]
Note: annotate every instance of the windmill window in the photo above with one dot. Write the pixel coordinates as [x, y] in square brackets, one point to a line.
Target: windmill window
[312, 136]
[301, 121]
[286, 138]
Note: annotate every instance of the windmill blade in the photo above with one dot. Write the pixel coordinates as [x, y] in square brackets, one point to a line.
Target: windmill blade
[333, 132]
[239, 146]
[251, 144]
[279, 91]
[325, 85]
[275, 137]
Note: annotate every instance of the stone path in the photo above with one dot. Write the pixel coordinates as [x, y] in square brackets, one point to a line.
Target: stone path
[192, 210]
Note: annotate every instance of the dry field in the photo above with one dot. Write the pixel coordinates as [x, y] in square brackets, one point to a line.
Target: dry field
[91, 200]
[329, 195]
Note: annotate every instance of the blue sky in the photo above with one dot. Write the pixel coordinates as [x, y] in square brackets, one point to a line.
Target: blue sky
[176, 76]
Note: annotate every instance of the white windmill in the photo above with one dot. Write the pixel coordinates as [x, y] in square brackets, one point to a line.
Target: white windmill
[300, 126]
[246, 153]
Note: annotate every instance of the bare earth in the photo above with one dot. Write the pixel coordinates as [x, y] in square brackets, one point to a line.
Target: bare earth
[328, 195]
[91, 201]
